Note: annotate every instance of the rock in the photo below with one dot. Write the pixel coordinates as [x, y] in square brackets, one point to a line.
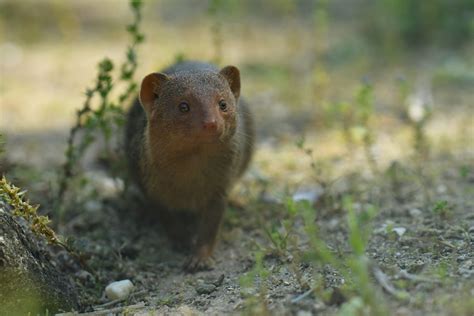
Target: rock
[334, 224]
[30, 282]
[107, 186]
[416, 108]
[461, 258]
[441, 188]
[119, 290]
[399, 230]
[414, 212]
[205, 288]
[311, 194]
[269, 198]
[467, 269]
[218, 282]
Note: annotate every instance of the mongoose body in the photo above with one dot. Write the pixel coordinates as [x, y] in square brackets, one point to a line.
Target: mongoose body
[189, 137]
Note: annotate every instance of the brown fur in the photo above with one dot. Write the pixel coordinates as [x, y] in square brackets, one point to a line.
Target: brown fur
[186, 163]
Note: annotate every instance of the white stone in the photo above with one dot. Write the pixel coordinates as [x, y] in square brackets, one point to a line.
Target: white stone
[311, 194]
[107, 186]
[414, 212]
[399, 230]
[441, 188]
[119, 290]
[416, 109]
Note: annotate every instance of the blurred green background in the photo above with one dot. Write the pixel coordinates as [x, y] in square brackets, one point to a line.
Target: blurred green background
[301, 61]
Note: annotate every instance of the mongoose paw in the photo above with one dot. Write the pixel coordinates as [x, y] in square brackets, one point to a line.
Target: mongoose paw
[198, 263]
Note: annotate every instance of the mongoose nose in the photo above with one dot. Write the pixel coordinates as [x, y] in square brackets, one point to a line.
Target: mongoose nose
[209, 125]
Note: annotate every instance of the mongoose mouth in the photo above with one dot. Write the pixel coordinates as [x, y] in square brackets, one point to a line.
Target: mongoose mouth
[210, 133]
[208, 138]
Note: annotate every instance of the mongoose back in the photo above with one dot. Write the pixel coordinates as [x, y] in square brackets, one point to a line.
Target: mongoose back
[189, 137]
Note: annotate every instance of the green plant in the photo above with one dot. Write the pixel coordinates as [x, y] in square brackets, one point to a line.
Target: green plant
[464, 171]
[364, 110]
[442, 209]
[319, 253]
[279, 236]
[321, 174]
[355, 268]
[421, 156]
[179, 58]
[254, 282]
[39, 224]
[359, 229]
[416, 24]
[418, 114]
[108, 115]
[344, 112]
[420, 143]
[356, 122]
[396, 175]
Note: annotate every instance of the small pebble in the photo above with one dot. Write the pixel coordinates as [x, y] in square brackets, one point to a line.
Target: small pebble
[119, 290]
[205, 288]
[399, 230]
[441, 188]
[461, 258]
[333, 224]
[414, 212]
[416, 108]
[106, 185]
[219, 280]
[466, 269]
[308, 194]
[269, 198]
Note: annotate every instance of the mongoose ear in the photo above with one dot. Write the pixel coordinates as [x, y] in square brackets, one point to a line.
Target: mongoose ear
[151, 86]
[232, 75]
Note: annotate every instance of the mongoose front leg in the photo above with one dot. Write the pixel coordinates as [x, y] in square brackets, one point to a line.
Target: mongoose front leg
[179, 229]
[208, 228]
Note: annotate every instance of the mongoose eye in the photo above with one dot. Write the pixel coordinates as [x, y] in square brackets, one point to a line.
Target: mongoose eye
[183, 107]
[223, 106]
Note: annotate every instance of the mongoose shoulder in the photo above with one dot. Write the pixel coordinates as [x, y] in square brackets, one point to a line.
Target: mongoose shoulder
[188, 139]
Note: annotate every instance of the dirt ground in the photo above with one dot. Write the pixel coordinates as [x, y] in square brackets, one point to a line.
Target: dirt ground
[421, 246]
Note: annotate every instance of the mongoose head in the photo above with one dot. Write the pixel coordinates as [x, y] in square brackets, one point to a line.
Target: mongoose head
[191, 108]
